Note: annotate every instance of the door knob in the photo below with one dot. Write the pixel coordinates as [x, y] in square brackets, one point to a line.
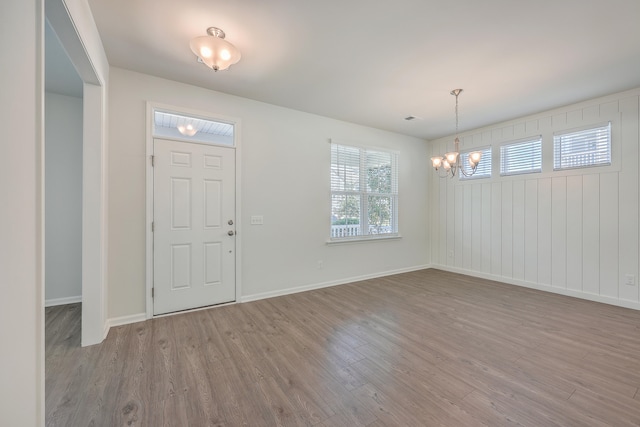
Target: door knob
[231, 233]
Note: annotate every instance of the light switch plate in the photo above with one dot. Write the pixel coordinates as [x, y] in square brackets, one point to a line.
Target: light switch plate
[257, 220]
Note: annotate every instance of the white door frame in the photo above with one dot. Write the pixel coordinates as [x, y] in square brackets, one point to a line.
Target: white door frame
[72, 22]
[151, 106]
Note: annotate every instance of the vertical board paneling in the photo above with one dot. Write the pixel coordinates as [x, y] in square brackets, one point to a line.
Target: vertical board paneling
[476, 227]
[486, 247]
[591, 113]
[544, 231]
[496, 228]
[609, 109]
[559, 232]
[451, 221]
[629, 139]
[591, 234]
[518, 230]
[574, 118]
[531, 231]
[577, 230]
[544, 124]
[558, 121]
[466, 225]
[609, 235]
[486, 138]
[508, 132]
[574, 233]
[507, 229]
[459, 236]
[442, 223]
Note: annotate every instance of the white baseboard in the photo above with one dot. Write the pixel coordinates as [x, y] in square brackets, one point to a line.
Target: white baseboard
[125, 320]
[296, 289]
[141, 317]
[107, 327]
[62, 301]
[547, 288]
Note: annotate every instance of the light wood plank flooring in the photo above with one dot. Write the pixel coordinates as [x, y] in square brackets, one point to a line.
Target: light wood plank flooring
[423, 348]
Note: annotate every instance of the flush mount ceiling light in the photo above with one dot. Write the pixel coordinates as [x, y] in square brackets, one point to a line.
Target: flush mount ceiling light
[450, 162]
[187, 130]
[214, 51]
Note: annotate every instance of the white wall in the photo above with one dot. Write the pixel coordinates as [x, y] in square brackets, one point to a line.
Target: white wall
[63, 199]
[574, 233]
[285, 178]
[21, 219]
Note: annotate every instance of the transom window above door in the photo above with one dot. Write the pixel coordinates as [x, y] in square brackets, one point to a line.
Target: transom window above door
[171, 125]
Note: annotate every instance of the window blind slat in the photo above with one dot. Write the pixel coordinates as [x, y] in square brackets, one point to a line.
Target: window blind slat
[364, 192]
[583, 148]
[521, 157]
[484, 166]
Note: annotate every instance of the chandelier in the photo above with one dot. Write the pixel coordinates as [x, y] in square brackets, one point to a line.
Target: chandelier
[450, 163]
[214, 51]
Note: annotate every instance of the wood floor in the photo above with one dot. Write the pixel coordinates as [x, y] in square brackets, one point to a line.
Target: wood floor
[427, 348]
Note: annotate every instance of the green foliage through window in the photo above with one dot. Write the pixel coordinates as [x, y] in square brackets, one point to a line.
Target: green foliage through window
[364, 192]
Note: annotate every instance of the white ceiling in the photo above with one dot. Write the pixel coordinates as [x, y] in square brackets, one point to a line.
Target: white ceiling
[376, 62]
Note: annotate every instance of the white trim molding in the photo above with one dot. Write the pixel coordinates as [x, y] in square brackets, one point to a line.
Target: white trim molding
[236, 122]
[62, 301]
[304, 288]
[531, 285]
[125, 320]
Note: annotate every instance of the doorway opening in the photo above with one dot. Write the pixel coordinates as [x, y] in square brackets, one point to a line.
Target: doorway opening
[84, 50]
[63, 176]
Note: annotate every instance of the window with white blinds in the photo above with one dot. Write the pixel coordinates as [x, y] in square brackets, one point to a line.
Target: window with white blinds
[364, 193]
[484, 166]
[521, 157]
[582, 148]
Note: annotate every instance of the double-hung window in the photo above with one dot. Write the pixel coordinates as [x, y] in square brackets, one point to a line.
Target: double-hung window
[582, 148]
[521, 157]
[364, 193]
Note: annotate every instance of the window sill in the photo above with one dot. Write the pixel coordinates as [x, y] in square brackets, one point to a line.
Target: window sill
[349, 240]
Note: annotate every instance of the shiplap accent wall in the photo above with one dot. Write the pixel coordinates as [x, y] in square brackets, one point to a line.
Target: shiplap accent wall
[571, 232]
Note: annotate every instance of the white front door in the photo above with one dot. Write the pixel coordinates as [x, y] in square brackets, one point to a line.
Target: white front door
[194, 225]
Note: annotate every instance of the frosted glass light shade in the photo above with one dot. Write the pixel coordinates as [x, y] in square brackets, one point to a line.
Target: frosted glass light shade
[187, 130]
[436, 162]
[214, 51]
[474, 157]
[451, 157]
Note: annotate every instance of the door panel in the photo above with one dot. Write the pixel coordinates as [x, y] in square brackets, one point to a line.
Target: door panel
[194, 201]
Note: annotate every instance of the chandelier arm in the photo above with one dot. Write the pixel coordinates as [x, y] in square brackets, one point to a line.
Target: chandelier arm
[446, 173]
[473, 170]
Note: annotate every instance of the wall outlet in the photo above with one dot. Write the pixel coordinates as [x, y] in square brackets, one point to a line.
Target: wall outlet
[451, 254]
[320, 265]
[630, 280]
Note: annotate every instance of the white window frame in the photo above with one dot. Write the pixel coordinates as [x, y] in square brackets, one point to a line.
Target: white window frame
[203, 124]
[363, 193]
[519, 157]
[480, 171]
[558, 141]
